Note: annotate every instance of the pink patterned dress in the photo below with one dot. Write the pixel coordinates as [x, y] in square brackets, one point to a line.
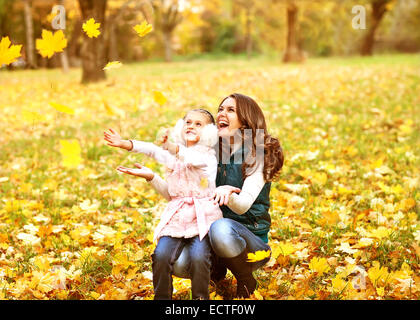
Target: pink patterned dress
[191, 183]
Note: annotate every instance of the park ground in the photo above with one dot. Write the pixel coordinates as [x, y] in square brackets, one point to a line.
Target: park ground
[345, 210]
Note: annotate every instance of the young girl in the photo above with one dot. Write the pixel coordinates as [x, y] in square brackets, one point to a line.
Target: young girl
[192, 168]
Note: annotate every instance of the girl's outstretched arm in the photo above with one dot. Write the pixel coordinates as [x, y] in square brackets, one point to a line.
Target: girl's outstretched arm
[160, 185]
[150, 149]
[114, 140]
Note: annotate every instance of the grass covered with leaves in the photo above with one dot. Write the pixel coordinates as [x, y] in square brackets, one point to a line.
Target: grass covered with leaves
[345, 212]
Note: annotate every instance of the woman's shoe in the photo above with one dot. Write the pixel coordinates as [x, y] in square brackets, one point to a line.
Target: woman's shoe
[242, 270]
[218, 272]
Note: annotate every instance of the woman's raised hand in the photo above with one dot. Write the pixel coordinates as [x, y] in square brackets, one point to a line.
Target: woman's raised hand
[142, 171]
[222, 194]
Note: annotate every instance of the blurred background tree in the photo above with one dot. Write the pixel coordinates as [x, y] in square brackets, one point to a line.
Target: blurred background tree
[287, 29]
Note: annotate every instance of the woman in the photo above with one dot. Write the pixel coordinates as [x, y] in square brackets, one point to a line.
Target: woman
[249, 159]
[243, 136]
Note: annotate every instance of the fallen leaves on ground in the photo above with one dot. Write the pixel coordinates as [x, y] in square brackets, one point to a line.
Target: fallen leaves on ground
[345, 210]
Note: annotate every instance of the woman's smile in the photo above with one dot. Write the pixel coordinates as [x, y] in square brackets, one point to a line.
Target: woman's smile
[227, 118]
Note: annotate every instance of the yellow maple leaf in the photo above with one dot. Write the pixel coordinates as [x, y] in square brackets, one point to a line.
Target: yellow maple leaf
[8, 53]
[319, 265]
[91, 28]
[204, 183]
[338, 284]
[159, 97]
[70, 151]
[131, 273]
[33, 116]
[94, 295]
[258, 255]
[407, 204]
[62, 108]
[377, 274]
[143, 28]
[258, 295]
[42, 263]
[113, 65]
[113, 111]
[284, 249]
[51, 43]
[329, 218]
[380, 291]
[380, 233]
[44, 282]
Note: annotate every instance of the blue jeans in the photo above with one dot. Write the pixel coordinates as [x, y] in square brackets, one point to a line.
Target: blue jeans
[167, 252]
[228, 239]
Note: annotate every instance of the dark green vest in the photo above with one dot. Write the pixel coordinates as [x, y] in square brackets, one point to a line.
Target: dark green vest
[256, 219]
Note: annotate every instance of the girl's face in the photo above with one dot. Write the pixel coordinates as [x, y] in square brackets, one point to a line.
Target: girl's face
[227, 119]
[194, 123]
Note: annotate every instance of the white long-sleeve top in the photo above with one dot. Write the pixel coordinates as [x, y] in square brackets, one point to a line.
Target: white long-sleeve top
[187, 155]
[189, 187]
[238, 203]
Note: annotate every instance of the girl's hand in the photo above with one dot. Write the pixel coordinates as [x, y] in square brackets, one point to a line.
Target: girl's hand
[115, 140]
[164, 142]
[163, 137]
[223, 193]
[142, 172]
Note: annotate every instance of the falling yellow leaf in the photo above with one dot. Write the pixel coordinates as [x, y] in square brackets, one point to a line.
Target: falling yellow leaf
[91, 28]
[159, 97]
[71, 153]
[33, 116]
[258, 255]
[51, 43]
[143, 28]
[113, 111]
[113, 65]
[8, 53]
[62, 108]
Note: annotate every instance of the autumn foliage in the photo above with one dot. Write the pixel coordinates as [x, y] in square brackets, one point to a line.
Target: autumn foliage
[345, 211]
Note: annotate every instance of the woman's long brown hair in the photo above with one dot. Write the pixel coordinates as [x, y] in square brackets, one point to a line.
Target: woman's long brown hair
[251, 117]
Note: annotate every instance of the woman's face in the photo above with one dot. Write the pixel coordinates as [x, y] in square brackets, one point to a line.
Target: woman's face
[227, 119]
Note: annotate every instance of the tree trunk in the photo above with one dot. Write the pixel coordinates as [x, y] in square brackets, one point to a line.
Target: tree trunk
[63, 56]
[167, 42]
[93, 49]
[29, 28]
[73, 46]
[292, 53]
[248, 36]
[378, 11]
[112, 42]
